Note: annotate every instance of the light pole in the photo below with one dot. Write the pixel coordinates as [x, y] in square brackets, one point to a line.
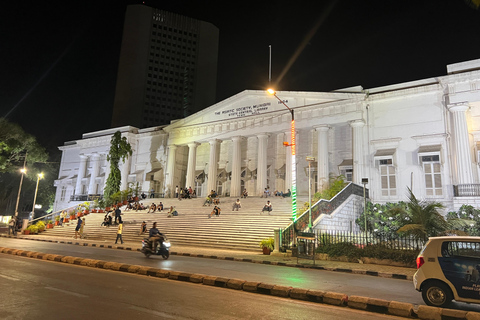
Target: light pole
[292, 145]
[39, 176]
[23, 171]
[310, 160]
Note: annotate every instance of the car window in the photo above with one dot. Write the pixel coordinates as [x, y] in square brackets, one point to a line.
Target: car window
[461, 249]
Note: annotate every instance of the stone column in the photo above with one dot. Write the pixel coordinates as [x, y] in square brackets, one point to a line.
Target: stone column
[92, 188]
[170, 174]
[212, 166]
[81, 173]
[236, 182]
[125, 172]
[358, 156]
[262, 163]
[323, 169]
[463, 153]
[192, 164]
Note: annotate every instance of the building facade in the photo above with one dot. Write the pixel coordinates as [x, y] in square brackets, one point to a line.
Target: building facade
[424, 135]
[167, 68]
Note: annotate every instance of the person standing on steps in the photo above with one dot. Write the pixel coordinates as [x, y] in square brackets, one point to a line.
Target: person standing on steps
[77, 228]
[118, 213]
[119, 233]
[176, 192]
[81, 228]
[267, 207]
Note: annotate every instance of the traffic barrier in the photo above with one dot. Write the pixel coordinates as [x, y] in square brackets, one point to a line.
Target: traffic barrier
[401, 309]
[357, 302]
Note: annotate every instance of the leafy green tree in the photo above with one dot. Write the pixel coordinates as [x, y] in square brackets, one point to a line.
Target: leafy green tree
[384, 219]
[466, 219]
[14, 144]
[120, 150]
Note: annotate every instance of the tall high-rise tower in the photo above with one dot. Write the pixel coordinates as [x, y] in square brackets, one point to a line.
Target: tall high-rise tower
[167, 68]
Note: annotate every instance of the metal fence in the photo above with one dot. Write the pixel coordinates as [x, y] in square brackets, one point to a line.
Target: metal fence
[363, 239]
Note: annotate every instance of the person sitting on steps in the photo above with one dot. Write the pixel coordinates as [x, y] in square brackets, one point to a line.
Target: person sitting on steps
[236, 205]
[172, 212]
[267, 207]
[245, 194]
[215, 211]
[153, 207]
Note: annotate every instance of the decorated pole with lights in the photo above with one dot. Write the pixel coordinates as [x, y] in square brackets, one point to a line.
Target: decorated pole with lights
[293, 147]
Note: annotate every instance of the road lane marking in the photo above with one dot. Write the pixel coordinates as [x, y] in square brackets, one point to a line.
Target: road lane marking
[67, 292]
[9, 278]
[159, 313]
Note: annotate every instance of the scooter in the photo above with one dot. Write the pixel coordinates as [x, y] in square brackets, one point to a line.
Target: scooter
[162, 250]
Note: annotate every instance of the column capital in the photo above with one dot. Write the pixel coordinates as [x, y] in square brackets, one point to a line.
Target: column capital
[263, 134]
[214, 141]
[458, 107]
[83, 156]
[172, 146]
[323, 127]
[237, 138]
[193, 144]
[357, 123]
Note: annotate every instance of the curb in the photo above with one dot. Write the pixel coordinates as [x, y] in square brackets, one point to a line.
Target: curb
[193, 255]
[331, 298]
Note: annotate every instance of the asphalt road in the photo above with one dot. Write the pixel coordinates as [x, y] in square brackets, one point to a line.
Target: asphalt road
[38, 289]
[350, 284]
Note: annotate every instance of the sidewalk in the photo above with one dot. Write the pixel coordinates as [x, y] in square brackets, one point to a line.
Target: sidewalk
[244, 256]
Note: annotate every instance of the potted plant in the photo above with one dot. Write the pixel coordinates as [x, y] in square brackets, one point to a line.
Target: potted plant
[72, 215]
[41, 226]
[49, 224]
[86, 207]
[32, 229]
[267, 245]
[57, 220]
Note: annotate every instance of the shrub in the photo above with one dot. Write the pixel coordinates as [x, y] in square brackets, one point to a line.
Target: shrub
[32, 228]
[346, 249]
[40, 225]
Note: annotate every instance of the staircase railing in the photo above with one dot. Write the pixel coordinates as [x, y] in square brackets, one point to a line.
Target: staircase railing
[320, 207]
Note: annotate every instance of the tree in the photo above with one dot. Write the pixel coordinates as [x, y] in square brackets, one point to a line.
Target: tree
[120, 149]
[423, 218]
[14, 144]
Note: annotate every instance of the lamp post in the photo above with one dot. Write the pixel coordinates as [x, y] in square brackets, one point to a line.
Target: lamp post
[292, 145]
[23, 171]
[310, 160]
[39, 176]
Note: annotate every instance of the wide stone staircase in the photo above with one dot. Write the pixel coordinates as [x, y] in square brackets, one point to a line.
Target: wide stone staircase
[240, 230]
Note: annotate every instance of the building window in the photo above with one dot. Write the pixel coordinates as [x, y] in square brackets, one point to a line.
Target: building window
[387, 177]
[63, 192]
[433, 175]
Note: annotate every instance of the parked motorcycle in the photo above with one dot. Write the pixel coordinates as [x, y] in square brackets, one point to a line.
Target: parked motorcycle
[162, 250]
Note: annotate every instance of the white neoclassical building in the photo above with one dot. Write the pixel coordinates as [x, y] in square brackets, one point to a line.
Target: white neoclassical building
[423, 134]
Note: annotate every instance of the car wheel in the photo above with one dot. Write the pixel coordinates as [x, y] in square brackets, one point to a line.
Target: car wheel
[437, 294]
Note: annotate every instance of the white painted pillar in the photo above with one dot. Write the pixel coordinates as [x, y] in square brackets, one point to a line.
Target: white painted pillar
[212, 166]
[262, 163]
[236, 182]
[323, 170]
[170, 174]
[81, 173]
[192, 164]
[463, 154]
[358, 155]
[92, 188]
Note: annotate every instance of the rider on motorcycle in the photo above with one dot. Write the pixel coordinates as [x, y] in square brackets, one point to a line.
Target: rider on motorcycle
[154, 237]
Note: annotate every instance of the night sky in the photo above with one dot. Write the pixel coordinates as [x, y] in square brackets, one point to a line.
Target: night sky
[58, 60]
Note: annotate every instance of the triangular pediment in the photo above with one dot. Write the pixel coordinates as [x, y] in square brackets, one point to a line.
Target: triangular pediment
[251, 103]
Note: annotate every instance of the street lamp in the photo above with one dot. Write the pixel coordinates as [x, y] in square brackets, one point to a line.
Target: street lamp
[310, 160]
[23, 171]
[292, 145]
[39, 176]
